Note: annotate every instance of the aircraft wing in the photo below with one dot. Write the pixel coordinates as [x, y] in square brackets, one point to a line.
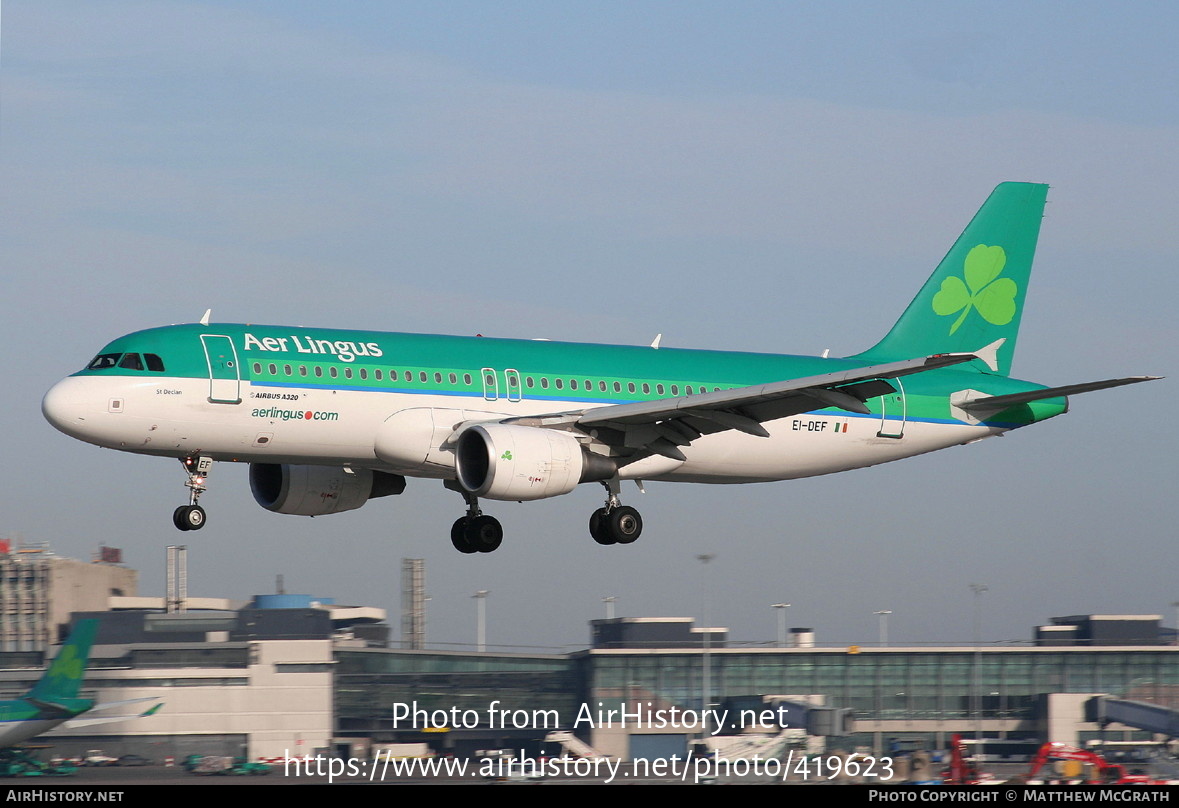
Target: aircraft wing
[662, 425]
[91, 720]
[98, 708]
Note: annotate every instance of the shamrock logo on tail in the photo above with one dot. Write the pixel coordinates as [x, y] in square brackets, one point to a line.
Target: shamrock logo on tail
[983, 289]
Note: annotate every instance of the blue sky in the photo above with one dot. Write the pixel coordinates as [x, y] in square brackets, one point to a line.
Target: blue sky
[774, 177]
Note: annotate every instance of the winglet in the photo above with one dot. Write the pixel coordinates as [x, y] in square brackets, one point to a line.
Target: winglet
[655, 342]
[205, 318]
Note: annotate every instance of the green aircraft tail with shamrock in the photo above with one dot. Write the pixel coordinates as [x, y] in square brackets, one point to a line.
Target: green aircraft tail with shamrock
[973, 301]
[63, 678]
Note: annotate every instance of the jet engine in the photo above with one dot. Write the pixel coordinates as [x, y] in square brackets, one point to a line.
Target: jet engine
[318, 490]
[503, 461]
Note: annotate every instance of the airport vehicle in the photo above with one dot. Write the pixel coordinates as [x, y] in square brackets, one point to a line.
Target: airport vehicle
[97, 757]
[19, 762]
[224, 765]
[1085, 766]
[330, 419]
[962, 770]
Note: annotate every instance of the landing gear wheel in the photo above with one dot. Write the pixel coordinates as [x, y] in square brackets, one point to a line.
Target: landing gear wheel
[599, 527]
[484, 533]
[189, 517]
[458, 536]
[624, 524]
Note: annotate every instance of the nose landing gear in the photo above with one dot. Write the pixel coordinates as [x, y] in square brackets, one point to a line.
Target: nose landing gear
[192, 515]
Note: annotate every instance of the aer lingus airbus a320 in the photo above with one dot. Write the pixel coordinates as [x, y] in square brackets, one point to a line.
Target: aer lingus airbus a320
[330, 419]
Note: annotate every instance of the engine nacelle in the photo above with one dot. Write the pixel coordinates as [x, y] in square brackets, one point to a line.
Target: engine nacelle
[503, 461]
[318, 490]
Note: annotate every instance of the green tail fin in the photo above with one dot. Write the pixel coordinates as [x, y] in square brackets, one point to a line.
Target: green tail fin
[975, 296]
[63, 678]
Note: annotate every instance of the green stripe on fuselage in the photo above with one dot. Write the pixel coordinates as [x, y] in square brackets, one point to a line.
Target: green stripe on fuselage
[259, 347]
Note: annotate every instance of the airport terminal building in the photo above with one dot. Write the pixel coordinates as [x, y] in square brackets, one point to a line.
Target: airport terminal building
[294, 675]
[297, 676]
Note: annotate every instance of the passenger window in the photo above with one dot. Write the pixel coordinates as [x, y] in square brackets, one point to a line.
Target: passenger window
[422, 375]
[347, 373]
[617, 387]
[302, 370]
[675, 389]
[377, 374]
[363, 373]
[467, 379]
[659, 389]
[630, 386]
[646, 387]
[286, 370]
[257, 367]
[559, 383]
[453, 378]
[154, 362]
[573, 384]
[437, 378]
[273, 369]
[602, 386]
[544, 382]
[131, 362]
[318, 372]
[333, 371]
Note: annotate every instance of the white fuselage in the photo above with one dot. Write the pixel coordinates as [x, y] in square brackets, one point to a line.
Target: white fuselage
[282, 424]
[14, 732]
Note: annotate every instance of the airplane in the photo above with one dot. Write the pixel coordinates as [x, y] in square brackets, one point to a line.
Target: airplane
[53, 700]
[329, 419]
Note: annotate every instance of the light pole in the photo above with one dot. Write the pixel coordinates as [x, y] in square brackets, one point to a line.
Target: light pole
[781, 607]
[883, 615]
[480, 597]
[705, 558]
[975, 697]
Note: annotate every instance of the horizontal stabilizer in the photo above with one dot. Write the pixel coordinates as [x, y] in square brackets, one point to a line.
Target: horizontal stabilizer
[999, 403]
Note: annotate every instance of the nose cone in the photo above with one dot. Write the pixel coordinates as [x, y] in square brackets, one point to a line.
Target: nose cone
[65, 406]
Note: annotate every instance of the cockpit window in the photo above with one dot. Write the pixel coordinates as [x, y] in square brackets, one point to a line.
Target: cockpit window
[104, 361]
[131, 361]
[154, 362]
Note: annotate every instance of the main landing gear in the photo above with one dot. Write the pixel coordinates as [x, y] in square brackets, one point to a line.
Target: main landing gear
[476, 532]
[192, 515]
[615, 523]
